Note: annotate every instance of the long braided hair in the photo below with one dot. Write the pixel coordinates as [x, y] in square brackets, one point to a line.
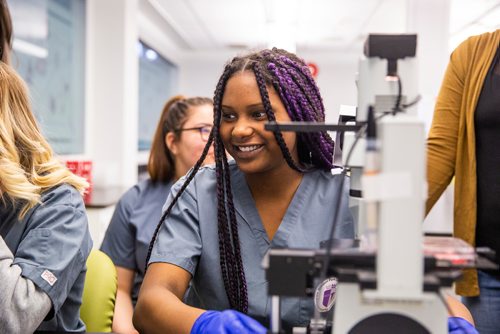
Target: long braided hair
[291, 78]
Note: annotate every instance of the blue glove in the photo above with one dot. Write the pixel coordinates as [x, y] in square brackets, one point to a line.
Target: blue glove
[226, 322]
[458, 325]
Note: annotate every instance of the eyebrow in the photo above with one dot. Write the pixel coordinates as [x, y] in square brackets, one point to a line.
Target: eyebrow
[251, 106]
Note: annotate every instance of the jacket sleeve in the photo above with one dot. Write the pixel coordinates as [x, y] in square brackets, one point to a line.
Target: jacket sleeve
[444, 132]
[23, 305]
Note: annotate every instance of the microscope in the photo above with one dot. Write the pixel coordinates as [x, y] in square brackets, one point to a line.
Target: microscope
[393, 281]
[388, 166]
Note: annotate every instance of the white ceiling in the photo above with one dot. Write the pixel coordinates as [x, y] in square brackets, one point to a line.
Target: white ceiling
[208, 24]
[309, 24]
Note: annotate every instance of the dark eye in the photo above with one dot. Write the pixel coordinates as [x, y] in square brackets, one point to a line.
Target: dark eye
[259, 115]
[228, 116]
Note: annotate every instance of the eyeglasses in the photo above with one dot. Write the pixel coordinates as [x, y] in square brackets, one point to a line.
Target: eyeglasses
[203, 130]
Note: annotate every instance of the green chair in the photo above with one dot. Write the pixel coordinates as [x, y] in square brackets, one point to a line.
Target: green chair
[99, 293]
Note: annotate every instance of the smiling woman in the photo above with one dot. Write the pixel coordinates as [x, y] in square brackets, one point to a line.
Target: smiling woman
[242, 128]
[269, 196]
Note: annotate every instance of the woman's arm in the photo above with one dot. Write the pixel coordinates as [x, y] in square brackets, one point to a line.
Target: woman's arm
[124, 309]
[23, 305]
[458, 309]
[160, 308]
[444, 132]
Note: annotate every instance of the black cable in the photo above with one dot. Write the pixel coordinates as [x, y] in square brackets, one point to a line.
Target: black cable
[329, 242]
[412, 103]
[396, 109]
[361, 132]
[397, 105]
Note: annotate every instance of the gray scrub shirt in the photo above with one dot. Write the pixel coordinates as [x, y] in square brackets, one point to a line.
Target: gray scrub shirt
[129, 233]
[51, 245]
[189, 239]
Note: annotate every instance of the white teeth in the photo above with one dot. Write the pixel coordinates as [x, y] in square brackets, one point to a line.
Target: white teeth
[248, 148]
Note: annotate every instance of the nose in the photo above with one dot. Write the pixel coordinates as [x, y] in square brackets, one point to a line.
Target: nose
[242, 129]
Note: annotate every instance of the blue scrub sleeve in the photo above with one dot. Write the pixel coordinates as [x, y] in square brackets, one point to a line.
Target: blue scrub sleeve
[179, 239]
[119, 240]
[226, 322]
[54, 251]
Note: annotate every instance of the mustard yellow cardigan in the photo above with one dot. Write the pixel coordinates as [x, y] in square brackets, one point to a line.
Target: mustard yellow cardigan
[451, 146]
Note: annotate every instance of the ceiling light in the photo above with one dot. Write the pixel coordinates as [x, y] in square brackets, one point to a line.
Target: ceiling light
[151, 55]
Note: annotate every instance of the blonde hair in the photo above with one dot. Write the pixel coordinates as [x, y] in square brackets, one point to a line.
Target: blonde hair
[27, 163]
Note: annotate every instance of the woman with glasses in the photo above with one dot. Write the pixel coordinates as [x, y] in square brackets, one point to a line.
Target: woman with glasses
[180, 138]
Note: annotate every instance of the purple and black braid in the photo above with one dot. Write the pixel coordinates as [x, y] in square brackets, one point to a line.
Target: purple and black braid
[290, 77]
[299, 92]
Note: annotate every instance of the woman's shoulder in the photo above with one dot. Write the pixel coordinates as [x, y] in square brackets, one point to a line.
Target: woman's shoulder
[203, 176]
[62, 194]
[204, 181]
[145, 190]
[474, 46]
[328, 179]
[322, 174]
[58, 206]
[488, 37]
[149, 187]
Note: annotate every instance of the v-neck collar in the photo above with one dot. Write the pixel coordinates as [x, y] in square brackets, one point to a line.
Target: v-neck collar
[245, 206]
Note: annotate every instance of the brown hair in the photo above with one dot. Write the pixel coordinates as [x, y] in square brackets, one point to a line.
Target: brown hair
[161, 164]
[5, 30]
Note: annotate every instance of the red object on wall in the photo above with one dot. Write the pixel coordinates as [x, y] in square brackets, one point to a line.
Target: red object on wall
[82, 168]
[314, 69]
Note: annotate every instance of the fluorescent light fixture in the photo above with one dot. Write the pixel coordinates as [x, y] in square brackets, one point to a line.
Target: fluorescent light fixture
[30, 49]
[151, 55]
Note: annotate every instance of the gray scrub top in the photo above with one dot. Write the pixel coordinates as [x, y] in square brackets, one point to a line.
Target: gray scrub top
[52, 241]
[189, 239]
[129, 233]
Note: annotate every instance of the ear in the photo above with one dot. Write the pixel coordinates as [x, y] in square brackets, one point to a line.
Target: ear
[171, 142]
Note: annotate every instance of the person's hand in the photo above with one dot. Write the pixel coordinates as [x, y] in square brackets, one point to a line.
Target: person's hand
[226, 322]
[457, 325]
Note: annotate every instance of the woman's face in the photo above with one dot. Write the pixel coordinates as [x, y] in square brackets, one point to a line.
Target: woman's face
[189, 144]
[254, 149]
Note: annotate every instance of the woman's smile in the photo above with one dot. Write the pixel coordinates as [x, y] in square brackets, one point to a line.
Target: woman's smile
[247, 151]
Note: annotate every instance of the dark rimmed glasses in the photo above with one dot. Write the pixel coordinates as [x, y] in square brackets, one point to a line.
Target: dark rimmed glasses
[203, 130]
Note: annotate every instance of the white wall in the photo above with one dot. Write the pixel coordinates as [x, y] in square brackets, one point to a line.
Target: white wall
[336, 79]
[111, 91]
[200, 71]
[111, 118]
[430, 20]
